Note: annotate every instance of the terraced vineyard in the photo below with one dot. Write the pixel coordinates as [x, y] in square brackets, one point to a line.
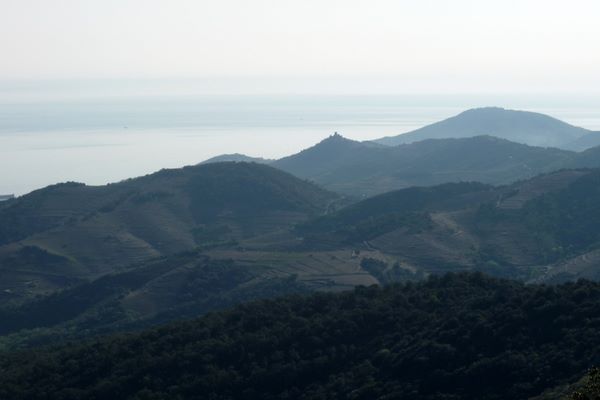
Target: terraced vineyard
[85, 232]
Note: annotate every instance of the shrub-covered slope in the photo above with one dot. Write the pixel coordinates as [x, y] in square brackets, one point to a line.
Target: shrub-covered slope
[366, 169]
[545, 228]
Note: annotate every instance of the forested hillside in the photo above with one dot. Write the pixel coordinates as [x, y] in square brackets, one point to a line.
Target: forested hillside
[462, 336]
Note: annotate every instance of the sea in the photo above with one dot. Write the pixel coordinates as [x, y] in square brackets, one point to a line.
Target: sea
[96, 140]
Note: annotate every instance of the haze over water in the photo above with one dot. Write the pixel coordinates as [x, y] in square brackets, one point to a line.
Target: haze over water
[101, 139]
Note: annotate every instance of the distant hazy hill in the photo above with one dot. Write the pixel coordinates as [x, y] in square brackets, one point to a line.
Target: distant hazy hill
[365, 168]
[585, 142]
[518, 126]
[237, 158]
[71, 231]
[460, 336]
[589, 158]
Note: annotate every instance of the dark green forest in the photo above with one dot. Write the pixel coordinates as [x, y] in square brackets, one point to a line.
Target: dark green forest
[457, 336]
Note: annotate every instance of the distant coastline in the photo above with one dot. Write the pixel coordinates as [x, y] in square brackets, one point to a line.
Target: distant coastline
[4, 197]
[84, 141]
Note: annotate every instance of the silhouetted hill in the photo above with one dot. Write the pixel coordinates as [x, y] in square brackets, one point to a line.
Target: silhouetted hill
[524, 127]
[326, 158]
[71, 231]
[460, 336]
[365, 169]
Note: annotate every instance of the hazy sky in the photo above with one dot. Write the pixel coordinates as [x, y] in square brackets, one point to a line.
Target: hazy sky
[366, 45]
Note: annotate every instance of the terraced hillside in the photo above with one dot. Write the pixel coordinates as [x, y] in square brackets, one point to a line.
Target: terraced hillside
[534, 188]
[536, 229]
[181, 286]
[72, 232]
[180, 243]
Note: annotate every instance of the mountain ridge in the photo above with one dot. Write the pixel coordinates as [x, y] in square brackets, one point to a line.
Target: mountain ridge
[525, 127]
[363, 169]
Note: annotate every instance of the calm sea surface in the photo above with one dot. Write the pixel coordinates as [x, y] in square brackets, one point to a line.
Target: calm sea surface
[97, 141]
